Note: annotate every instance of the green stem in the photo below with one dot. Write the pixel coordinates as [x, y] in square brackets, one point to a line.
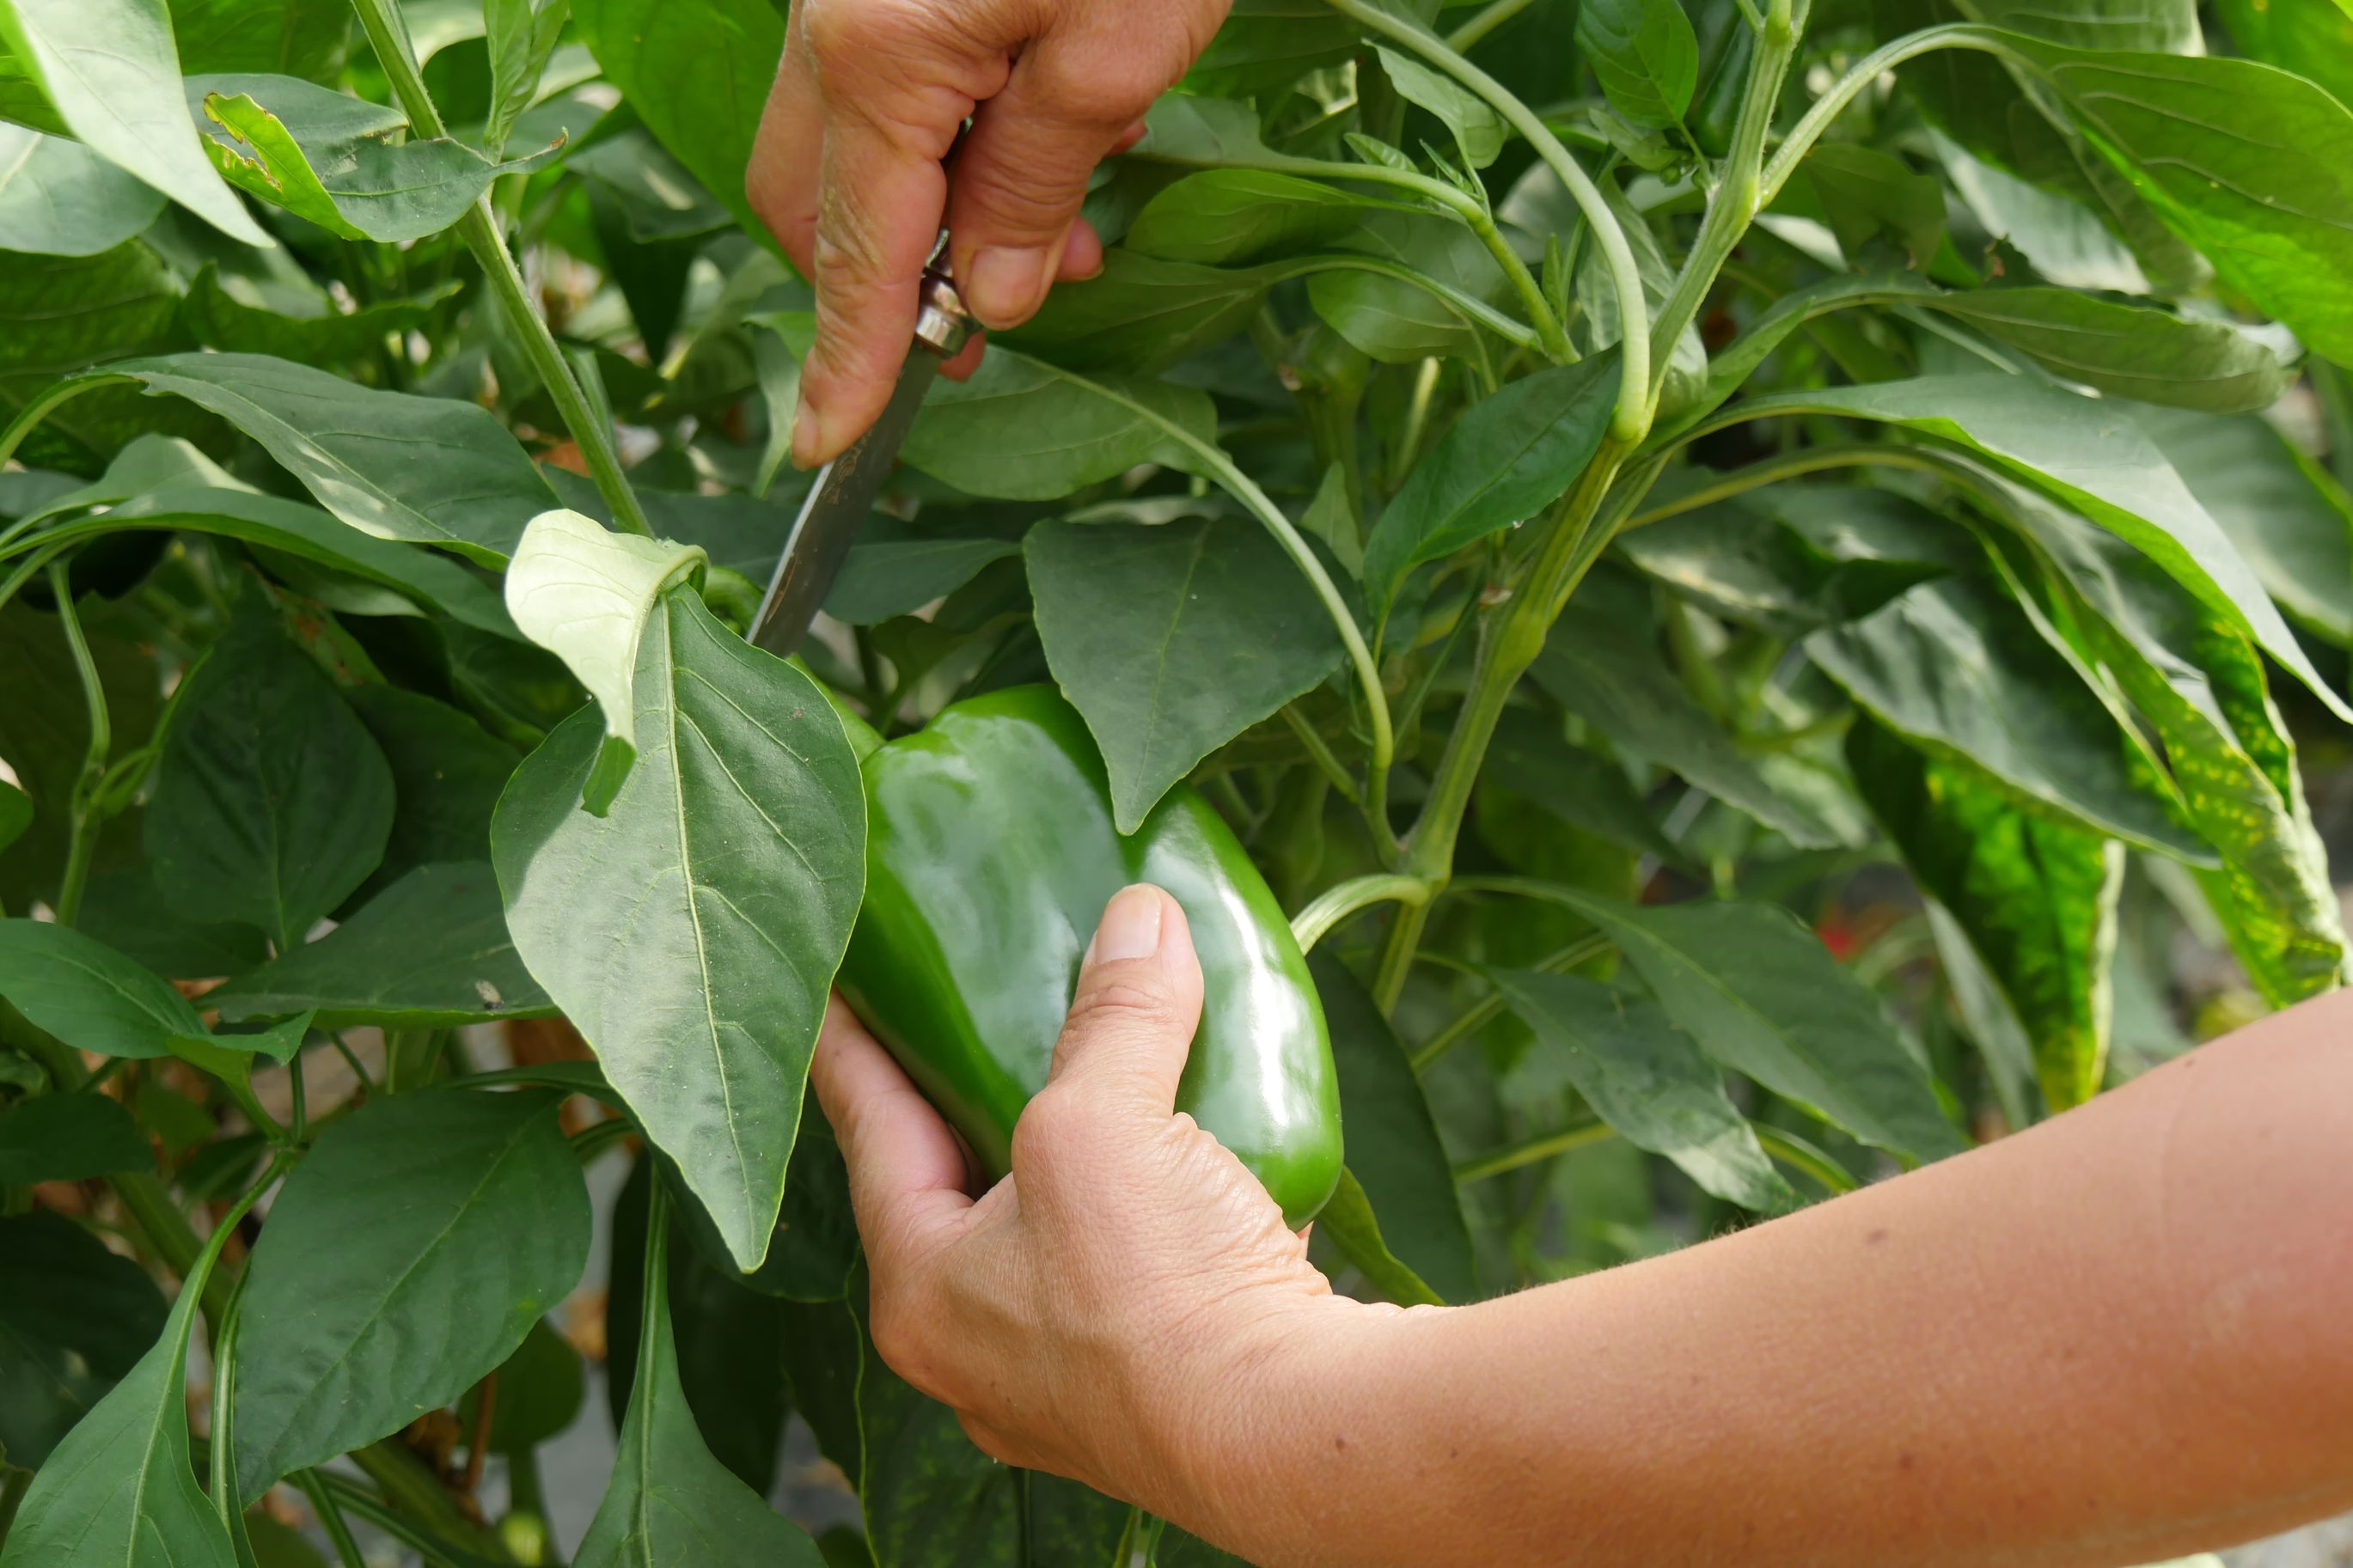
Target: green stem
[1467, 36]
[1467, 308]
[28, 418]
[1632, 418]
[30, 568]
[415, 1492]
[222, 1439]
[1319, 751]
[1533, 1150]
[1396, 954]
[1866, 70]
[1490, 1007]
[437, 1551]
[330, 1518]
[479, 229]
[1794, 1151]
[1335, 904]
[86, 819]
[1772, 471]
[1417, 420]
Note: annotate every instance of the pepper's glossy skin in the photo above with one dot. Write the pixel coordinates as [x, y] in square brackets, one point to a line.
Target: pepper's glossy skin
[990, 853]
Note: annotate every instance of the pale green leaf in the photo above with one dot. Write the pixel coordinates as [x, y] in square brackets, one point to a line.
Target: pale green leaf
[58, 198]
[88, 994]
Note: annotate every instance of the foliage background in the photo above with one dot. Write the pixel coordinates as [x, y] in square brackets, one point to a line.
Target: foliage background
[1945, 722]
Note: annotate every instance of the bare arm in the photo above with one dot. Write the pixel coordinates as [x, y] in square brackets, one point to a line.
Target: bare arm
[2125, 1334]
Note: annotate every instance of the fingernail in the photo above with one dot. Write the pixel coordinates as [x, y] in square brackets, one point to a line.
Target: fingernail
[1129, 927]
[808, 434]
[1005, 284]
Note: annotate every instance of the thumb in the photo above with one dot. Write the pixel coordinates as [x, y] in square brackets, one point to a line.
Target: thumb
[1023, 170]
[1138, 1002]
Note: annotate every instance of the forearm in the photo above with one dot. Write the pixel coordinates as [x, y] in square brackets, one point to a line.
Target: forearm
[2115, 1337]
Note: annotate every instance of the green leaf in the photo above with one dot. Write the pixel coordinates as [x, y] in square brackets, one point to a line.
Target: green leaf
[307, 39]
[431, 470]
[1960, 671]
[447, 772]
[88, 994]
[62, 314]
[1395, 1154]
[429, 580]
[699, 76]
[1141, 314]
[897, 566]
[339, 162]
[2168, 25]
[1348, 1219]
[1624, 689]
[2079, 452]
[119, 1489]
[1866, 193]
[540, 1390]
[1529, 757]
[1331, 517]
[1642, 1076]
[2128, 350]
[2204, 689]
[520, 35]
[44, 738]
[58, 198]
[74, 1318]
[221, 320]
[430, 951]
[2288, 516]
[1504, 462]
[447, 1208]
[1763, 995]
[668, 1500]
[122, 910]
[1225, 217]
[2251, 166]
[272, 802]
[2313, 39]
[1646, 55]
[113, 74]
[68, 1138]
[2035, 899]
[1269, 43]
[584, 594]
[658, 199]
[1478, 130]
[1024, 430]
[1399, 322]
[1172, 640]
[692, 931]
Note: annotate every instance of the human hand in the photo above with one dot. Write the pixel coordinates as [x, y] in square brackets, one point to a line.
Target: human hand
[1127, 1308]
[846, 170]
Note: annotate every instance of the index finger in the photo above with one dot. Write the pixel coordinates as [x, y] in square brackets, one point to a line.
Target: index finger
[906, 1170]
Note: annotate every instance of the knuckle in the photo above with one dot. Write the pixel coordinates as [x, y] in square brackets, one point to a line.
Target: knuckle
[1118, 1004]
[1013, 197]
[1051, 1126]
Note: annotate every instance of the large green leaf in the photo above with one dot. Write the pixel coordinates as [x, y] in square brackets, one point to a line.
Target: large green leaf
[1763, 995]
[897, 566]
[296, 327]
[1957, 668]
[2313, 39]
[430, 469]
[124, 909]
[1501, 463]
[584, 594]
[447, 772]
[430, 950]
[2127, 351]
[1479, 130]
[1646, 55]
[2083, 453]
[272, 802]
[58, 198]
[519, 35]
[2288, 516]
[2170, 25]
[2204, 689]
[1530, 757]
[427, 580]
[2035, 899]
[68, 1138]
[1142, 313]
[74, 1318]
[1642, 1076]
[339, 162]
[1172, 640]
[1624, 689]
[669, 1500]
[1399, 321]
[1393, 1151]
[62, 314]
[407, 1256]
[1224, 218]
[110, 70]
[692, 932]
[699, 76]
[88, 994]
[2249, 163]
[1024, 430]
[307, 38]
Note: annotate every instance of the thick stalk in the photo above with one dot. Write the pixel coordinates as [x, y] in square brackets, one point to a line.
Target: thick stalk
[1467, 36]
[480, 231]
[1632, 418]
[1866, 70]
[1333, 905]
[85, 816]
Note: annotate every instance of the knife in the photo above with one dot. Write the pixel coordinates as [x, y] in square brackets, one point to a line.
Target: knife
[845, 488]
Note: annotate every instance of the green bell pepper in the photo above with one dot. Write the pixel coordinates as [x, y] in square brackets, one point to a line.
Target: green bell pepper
[990, 853]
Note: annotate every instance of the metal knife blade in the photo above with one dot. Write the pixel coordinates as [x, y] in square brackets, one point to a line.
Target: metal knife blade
[834, 511]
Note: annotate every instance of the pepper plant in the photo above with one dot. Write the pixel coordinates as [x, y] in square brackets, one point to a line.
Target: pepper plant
[1738, 570]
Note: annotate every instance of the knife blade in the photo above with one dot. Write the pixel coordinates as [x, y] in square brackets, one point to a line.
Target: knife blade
[837, 503]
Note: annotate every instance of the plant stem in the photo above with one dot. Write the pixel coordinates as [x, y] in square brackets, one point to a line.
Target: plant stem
[1848, 88]
[1533, 1150]
[1632, 418]
[330, 1518]
[1792, 1150]
[479, 229]
[1467, 36]
[1335, 904]
[28, 418]
[1319, 751]
[86, 819]
[1488, 1008]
